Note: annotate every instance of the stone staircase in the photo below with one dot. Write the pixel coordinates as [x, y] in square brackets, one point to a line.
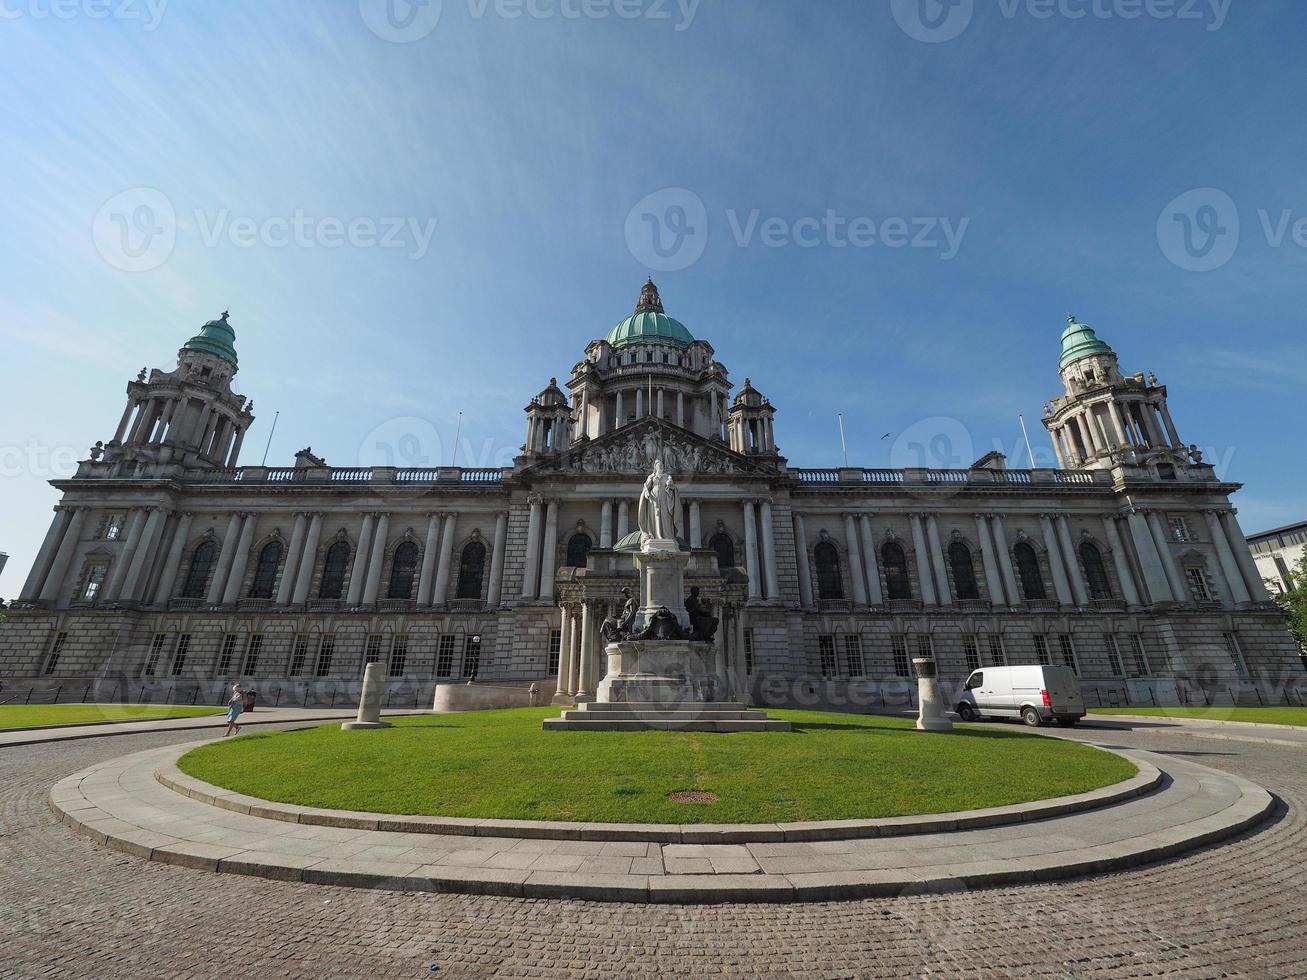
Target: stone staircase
[675, 716]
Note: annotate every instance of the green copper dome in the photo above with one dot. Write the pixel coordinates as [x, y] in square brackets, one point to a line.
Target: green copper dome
[1079, 340]
[216, 337]
[649, 324]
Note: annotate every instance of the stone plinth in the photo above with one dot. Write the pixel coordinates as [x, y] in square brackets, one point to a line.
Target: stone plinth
[661, 671]
[374, 690]
[662, 580]
[673, 716]
[932, 716]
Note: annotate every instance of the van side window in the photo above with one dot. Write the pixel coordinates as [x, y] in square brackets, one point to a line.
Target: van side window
[976, 680]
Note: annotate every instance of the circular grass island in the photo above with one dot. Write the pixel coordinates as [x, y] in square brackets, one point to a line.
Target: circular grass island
[501, 765]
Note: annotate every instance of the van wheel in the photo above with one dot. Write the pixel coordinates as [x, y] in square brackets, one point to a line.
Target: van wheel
[1067, 722]
[1031, 717]
[967, 712]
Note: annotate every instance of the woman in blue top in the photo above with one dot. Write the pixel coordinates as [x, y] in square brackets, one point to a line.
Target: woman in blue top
[233, 712]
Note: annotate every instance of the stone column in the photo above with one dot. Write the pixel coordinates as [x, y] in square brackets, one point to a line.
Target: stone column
[531, 572]
[606, 524]
[239, 560]
[1004, 558]
[495, 588]
[621, 415]
[360, 569]
[118, 569]
[937, 560]
[1122, 563]
[696, 525]
[751, 551]
[801, 560]
[1173, 576]
[1058, 451]
[142, 420]
[1077, 579]
[121, 431]
[45, 557]
[308, 558]
[992, 581]
[236, 448]
[370, 699]
[769, 552]
[573, 639]
[372, 588]
[165, 420]
[1055, 563]
[134, 582]
[874, 595]
[1159, 589]
[858, 582]
[429, 550]
[1238, 592]
[163, 592]
[680, 409]
[52, 590]
[583, 423]
[286, 588]
[623, 519]
[923, 561]
[564, 651]
[639, 403]
[549, 559]
[741, 658]
[225, 556]
[1118, 432]
[1170, 425]
[585, 687]
[1252, 578]
[659, 412]
[440, 595]
[1152, 430]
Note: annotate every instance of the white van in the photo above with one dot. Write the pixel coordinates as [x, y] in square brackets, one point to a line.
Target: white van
[1035, 693]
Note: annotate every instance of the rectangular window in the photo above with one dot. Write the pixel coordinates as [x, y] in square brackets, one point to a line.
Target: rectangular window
[748, 651]
[1197, 584]
[853, 656]
[1068, 651]
[997, 655]
[252, 650]
[326, 649]
[826, 647]
[1179, 529]
[1113, 654]
[227, 652]
[398, 655]
[555, 650]
[1041, 649]
[1138, 658]
[972, 653]
[445, 657]
[156, 651]
[113, 527]
[925, 647]
[299, 655]
[471, 655]
[179, 653]
[93, 582]
[372, 650]
[56, 649]
[899, 646]
[1236, 656]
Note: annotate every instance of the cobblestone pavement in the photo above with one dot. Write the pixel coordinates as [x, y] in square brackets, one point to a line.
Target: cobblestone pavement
[69, 907]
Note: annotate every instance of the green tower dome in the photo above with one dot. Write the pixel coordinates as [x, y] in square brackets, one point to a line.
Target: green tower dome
[649, 324]
[215, 337]
[1079, 340]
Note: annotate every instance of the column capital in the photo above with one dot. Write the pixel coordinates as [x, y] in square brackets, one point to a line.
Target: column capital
[535, 498]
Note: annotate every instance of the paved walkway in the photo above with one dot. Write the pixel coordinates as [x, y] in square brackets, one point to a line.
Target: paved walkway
[127, 803]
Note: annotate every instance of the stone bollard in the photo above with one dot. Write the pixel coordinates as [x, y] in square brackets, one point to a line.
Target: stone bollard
[932, 716]
[374, 689]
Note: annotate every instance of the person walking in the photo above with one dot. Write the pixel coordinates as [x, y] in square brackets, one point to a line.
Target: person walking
[235, 706]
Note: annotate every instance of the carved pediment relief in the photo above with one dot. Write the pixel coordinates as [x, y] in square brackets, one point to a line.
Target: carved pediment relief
[633, 449]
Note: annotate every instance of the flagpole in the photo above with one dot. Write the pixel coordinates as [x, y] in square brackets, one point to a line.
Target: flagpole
[457, 433]
[843, 446]
[1026, 435]
[275, 416]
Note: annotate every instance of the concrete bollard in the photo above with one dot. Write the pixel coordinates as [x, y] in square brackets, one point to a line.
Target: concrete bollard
[374, 689]
[932, 716]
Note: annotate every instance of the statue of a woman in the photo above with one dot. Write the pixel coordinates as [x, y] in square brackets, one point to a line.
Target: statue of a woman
[660, 506]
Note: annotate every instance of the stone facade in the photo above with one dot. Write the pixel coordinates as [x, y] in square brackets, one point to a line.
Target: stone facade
[168, 567]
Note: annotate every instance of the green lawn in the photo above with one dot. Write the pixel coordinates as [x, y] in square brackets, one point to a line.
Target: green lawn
[1264, 716]
[501, 764]
[46, 715]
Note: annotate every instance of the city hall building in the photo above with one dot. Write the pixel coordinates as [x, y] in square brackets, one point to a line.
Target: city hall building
[170, 568]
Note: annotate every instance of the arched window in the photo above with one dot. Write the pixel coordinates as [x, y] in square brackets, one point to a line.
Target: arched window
[1032, 583]
[964, 573]
[402, 567]
[265, 571]
[333, 571]
[471, 570]
[898, 584]
[577, 548]
[1095, 571]
[827, 560]
[722, 544]
[202, 562]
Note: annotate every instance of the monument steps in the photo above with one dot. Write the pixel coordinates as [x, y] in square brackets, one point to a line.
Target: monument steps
[681, 716]
[664, 724]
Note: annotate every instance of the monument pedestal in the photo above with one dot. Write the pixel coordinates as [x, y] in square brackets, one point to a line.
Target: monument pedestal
[661, 671]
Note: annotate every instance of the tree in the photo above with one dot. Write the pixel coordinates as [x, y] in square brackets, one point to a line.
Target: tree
[1294, 602]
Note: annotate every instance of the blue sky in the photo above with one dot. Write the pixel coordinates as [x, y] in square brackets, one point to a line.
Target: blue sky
[489, 161]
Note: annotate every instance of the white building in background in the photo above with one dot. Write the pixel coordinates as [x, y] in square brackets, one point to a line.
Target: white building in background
[167, 563]
[1277, 553]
